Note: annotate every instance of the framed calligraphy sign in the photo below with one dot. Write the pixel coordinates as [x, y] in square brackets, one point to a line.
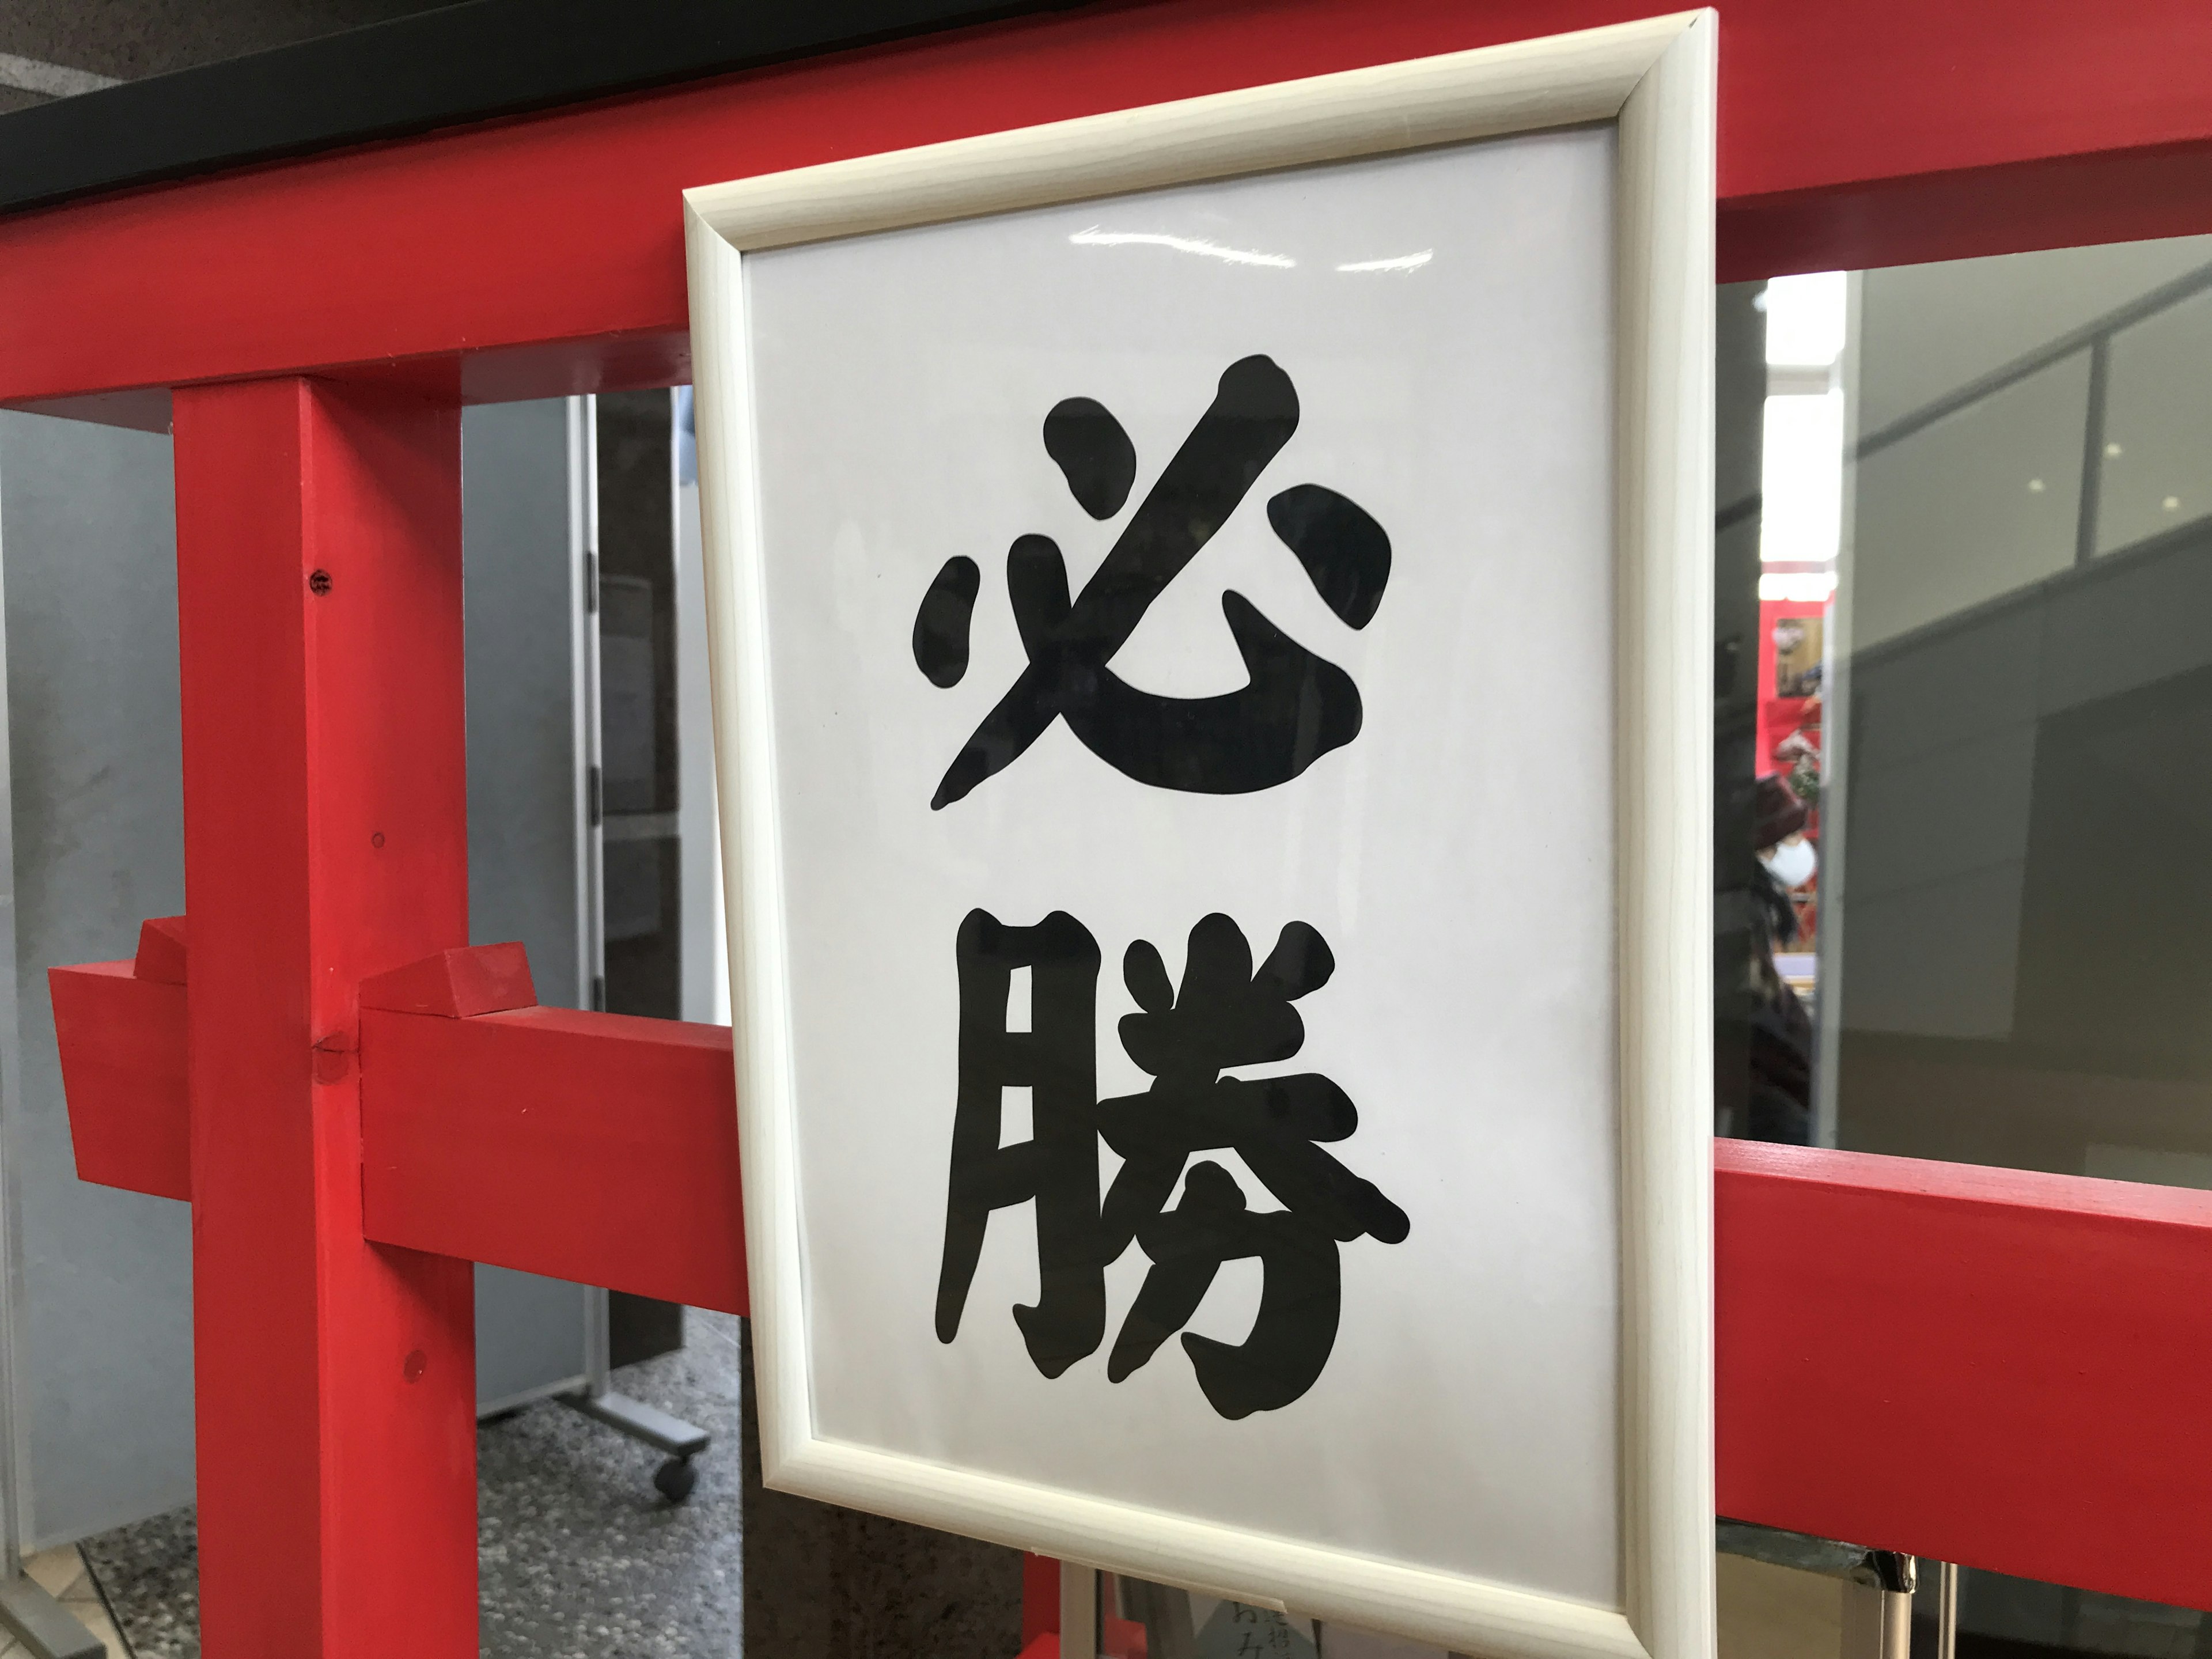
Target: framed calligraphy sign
[1211, 624]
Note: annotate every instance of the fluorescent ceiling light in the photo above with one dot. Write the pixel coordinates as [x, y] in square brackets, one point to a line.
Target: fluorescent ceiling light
[1802, 479]
[1805, 318]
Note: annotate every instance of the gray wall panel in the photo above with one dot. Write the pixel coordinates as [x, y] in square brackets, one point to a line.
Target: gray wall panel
[105, 1316]
[519, 580]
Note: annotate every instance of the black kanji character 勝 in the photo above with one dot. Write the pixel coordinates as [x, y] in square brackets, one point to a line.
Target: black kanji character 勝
[1296, 706]
[1224, 1015]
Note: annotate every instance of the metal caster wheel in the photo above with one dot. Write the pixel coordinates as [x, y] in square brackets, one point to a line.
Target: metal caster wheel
[675, 1479]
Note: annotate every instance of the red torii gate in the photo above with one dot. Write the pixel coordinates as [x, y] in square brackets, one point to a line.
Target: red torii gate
[356, 1106]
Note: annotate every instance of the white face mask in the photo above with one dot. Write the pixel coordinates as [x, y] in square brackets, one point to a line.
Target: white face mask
[1792, 862]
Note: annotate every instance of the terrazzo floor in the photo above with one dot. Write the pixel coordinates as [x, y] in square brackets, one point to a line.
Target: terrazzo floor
[580, 1558]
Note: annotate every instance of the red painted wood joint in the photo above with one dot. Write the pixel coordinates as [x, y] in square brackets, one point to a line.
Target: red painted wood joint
[480, 979]
[162, 954]
[592, 1147]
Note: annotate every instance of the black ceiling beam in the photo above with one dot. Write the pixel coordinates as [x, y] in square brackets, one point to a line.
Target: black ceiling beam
[436, 69]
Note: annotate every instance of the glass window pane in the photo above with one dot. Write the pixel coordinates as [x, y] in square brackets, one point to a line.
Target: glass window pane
[2017, 955]
[1959, 832]
[1963, 700]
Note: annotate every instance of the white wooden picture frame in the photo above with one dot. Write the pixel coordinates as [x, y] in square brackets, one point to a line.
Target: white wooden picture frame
[1654, 81]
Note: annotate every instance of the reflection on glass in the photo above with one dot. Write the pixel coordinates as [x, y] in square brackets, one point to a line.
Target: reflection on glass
[1780, 485]
[2020, 954]
[1978, 503]
[2156, 457]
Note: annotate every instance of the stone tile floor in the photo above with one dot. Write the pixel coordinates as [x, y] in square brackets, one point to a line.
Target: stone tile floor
[580, 1558]
[61, 1573]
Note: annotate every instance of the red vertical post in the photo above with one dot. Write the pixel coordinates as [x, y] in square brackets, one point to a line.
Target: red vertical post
[318, 550]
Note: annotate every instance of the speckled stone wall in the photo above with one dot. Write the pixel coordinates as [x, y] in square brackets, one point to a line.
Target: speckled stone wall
[823, 1582]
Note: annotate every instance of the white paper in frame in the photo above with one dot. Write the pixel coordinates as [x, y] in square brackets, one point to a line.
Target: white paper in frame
[1478, 287]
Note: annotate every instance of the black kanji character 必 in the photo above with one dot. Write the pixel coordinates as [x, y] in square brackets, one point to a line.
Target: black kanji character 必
[1296, 706]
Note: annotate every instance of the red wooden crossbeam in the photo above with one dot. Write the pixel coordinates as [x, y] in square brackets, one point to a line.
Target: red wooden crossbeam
[1904, 1347]
[120, 1026]
[535, 257]
[1997, 1367]
[593, 1147]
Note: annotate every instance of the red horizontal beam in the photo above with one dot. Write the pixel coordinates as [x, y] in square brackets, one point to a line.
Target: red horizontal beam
[1988, 1366]
[593, 1147]
[121, 1042]
[528, 257]
[1995, 1367]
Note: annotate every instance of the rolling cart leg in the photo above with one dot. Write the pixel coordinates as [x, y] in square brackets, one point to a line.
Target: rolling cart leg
[43, 1624]
[681, 1441]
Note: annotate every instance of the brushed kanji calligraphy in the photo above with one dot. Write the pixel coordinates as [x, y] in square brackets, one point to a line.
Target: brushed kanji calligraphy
[1224, 1014]
[1296, 707]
